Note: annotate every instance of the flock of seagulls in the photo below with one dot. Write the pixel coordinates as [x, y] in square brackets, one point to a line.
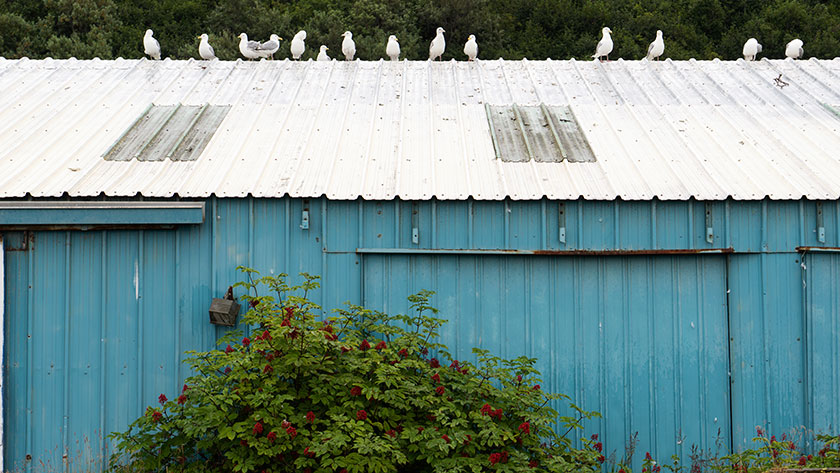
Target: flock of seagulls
[266, 50]
[256, 50]
[751, 49]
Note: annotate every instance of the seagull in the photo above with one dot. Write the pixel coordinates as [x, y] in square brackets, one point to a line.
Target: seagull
[322, 55]
[605, 46]
[205, 50]
[794, 49]
[348, 46]
[151, 46]
[656, 48]
[248, 48]
[393, 48]
[438, 45]
[298, 46]
[751, 49]
[270, 47]
[471, 48]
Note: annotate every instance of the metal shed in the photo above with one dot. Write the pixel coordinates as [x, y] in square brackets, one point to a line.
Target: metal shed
[663, 237]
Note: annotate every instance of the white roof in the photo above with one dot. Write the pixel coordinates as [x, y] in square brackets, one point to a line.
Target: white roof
[418, 130]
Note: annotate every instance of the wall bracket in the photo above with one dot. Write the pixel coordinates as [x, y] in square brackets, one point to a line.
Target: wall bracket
[710, 230]
[820, 224]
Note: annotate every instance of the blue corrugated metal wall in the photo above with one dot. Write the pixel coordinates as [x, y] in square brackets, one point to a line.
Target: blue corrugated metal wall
[96, 321]
[643, 340]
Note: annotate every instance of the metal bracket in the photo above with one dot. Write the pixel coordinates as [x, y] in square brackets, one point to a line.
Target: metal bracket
[710, 231]
[561, 217]
[820, 224]
[304, 219]
[415, 227]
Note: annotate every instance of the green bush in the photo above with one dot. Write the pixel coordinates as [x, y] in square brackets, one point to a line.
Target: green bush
[362, 391]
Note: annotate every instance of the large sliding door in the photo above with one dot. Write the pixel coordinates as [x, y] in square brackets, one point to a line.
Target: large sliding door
[822, 331]
[641, 339]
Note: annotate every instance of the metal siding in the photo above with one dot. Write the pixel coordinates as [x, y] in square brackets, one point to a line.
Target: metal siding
[83, 355]
[822, 275]
[645, 336]
[122, 317]
[125, 304]
[16, 367]
[767, 349]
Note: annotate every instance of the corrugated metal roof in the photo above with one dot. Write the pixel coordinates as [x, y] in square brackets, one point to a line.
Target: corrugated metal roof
[418, 130]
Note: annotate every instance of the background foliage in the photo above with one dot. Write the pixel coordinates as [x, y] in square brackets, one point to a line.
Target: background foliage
[511, 29]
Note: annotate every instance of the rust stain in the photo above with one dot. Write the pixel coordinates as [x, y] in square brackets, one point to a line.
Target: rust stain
[27, 243]
[802, 249]
[631, 252]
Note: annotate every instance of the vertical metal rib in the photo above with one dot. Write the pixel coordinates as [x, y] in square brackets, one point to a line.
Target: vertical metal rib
[556, 135]
[521, 124]
[157, 132]
[186, 131]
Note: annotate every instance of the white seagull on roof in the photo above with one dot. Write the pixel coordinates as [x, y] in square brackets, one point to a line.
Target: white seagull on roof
[322, 54]
[438, 45]
[605, 45]
[151, 46]
[393, 48]
[794, 49]
[656, 48]
[298, 46]
[751, 49]
[204, 49]
[471, 48]
[270, 47]
[348, 46]
[248, 49]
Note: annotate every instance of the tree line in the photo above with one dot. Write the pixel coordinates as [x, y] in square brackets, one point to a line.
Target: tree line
[510, 29]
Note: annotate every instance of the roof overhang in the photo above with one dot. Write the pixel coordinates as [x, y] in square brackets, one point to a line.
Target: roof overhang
[99, 213]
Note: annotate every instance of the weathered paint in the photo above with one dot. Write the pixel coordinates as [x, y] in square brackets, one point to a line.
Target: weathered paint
[630, 316]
